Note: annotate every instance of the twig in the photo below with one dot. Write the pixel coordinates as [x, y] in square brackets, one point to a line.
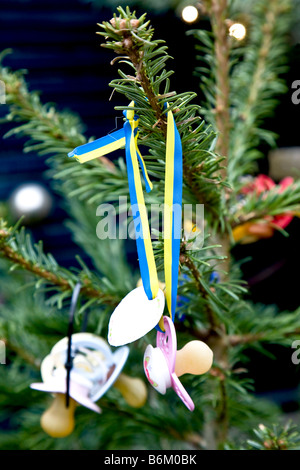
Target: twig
[218, 12]
[136, 58]
[36, 363]
[13, 256]
[257, 80]
[185, 260]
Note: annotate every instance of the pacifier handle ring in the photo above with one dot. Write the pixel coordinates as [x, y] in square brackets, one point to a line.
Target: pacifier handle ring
[69, 361]
[167, 342]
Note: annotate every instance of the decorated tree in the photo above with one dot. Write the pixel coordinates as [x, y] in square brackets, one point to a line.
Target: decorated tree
[213, 160]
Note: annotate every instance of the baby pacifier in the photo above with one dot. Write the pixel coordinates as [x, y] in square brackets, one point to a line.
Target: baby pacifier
[135, 316]
[95, 368]
[164, 365]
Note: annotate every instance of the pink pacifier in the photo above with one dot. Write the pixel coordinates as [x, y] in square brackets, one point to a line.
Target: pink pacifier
[164, 364]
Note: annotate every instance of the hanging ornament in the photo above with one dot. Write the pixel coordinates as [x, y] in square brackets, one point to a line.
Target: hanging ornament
[160, 362]
[131, 319]
[32, 201]
[142, 309]
[164, 365]
[250, 232]
[135, 316]
[79, 370]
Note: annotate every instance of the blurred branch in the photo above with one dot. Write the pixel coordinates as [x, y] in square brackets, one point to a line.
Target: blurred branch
[218, 12]
[34, 261]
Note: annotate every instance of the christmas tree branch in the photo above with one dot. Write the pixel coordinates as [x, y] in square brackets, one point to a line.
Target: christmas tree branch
[135, 43]
[49, 130]
[252, 78]
[45, 267]
[222, 421]
[212, 321]
[248, 338]
[132, 34]
[55, 134]
[136, 57]
[269, 203]
[156, 426]
[218, 11]
[276, 437]
[22, 353]
[218, 339]
[256, 83]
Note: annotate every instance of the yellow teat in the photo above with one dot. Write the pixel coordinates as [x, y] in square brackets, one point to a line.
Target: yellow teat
[133, 390]
[58, 420]
[194, 358]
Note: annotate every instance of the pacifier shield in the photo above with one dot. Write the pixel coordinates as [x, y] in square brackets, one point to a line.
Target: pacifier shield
[134, 317]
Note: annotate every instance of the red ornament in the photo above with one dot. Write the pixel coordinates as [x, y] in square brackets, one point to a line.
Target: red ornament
[264, 229]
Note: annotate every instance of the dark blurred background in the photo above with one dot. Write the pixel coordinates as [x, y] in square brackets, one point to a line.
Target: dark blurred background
[56, 42]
